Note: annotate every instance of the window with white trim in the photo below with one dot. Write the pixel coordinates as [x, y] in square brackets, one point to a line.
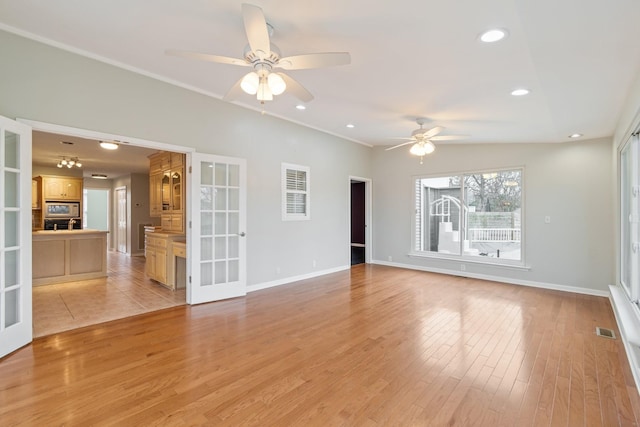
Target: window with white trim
[630, 216]
[296, 199]
[476, 215]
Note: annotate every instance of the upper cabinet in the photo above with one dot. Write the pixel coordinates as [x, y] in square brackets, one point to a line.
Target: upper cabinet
[61, 188]
[166, 189]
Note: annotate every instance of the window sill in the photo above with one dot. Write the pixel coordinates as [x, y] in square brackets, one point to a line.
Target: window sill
[469, 260]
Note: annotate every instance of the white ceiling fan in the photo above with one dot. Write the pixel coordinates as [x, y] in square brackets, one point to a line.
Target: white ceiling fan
[422, 139]
[265, 58]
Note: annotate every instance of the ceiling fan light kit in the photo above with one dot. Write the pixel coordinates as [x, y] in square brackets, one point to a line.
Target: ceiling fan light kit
[422, 140]
[265, 58]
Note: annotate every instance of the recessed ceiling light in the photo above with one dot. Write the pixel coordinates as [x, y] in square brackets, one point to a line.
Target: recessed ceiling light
[108, 145]
[493, 35]
[351, 125]
[520, 92]
[98, 176]
[575, 135]
[301, 107]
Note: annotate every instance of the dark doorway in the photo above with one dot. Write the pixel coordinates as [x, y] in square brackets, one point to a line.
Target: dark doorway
[358, 224]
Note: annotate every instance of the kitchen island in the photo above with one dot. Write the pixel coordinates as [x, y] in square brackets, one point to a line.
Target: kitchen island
[68, 255]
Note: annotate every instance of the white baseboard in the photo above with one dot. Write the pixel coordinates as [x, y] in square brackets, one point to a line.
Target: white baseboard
[284, 281]
[542, 285]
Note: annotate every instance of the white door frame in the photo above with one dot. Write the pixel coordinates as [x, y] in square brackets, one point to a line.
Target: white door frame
[368, 241]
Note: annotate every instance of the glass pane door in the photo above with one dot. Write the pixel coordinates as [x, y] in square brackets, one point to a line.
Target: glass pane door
[629, 218]
[218, 228]
[15, 236]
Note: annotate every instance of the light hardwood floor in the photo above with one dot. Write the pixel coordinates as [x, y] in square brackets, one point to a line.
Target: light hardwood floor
[372, 346]
[124, 293]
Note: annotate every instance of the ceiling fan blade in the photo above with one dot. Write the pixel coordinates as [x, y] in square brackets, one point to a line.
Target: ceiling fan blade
[315, 60]
[401, 145]
[296, 88]
[234, 92]
[448, 137]
[207, 57]
[255, 25]
[433, 132]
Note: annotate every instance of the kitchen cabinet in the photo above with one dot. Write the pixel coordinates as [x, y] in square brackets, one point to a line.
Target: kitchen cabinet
[166, 188]
[172, 222]
[155, 194]
[159, 253]
[35, 193]
[61, 188]
[68, 256]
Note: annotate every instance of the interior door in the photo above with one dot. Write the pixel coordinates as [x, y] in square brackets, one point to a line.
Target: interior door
[15, 236]
[218, 223]
[121, 219]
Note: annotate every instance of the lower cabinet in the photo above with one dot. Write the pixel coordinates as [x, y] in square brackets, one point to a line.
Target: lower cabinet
[158, 250]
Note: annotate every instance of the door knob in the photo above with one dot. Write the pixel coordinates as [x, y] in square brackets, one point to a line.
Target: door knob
[241, 234]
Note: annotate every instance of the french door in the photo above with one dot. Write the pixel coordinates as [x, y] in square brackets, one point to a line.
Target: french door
[218, 224]
[15, 236]
[630, 217]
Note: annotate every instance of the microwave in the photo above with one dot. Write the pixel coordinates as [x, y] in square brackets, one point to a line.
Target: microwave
[62, 210]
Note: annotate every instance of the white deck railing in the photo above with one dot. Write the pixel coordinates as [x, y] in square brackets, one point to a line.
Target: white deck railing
[494, 234]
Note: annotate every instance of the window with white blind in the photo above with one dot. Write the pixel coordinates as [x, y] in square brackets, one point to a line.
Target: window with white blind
[295, 192]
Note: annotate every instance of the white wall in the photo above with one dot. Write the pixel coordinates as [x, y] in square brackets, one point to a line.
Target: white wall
[54, 86]
[570, 182]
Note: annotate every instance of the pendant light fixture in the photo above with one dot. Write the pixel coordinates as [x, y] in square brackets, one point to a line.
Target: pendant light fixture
[71, 162]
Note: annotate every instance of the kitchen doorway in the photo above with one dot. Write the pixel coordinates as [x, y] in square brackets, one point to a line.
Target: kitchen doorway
[127, 283]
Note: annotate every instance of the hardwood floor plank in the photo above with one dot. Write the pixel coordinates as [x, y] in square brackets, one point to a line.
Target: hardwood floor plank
[373, 346]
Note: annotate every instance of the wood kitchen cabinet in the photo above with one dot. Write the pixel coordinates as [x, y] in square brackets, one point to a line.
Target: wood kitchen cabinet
[61, 188]
[158, 250]
[166, 188]
[155, 194]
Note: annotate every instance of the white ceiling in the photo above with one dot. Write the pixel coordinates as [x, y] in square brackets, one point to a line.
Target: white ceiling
[410, 58]
[49, 148]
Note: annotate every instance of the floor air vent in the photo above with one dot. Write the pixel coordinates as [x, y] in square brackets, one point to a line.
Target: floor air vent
[607, 333]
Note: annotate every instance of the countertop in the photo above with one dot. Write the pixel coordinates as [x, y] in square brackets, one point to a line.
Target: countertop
[66, 232]
[164, 233]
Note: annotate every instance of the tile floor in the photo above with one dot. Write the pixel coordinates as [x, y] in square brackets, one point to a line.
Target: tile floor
[126, 291]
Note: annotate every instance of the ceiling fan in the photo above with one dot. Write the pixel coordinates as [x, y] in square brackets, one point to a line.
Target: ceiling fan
[265, 58]
[422, 139]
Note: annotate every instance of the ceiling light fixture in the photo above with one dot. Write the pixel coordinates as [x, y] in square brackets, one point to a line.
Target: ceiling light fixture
[575, 135]
[108, 145]
[493, 35]
[351, 125]
[73, 161]
[263, 83]
[98, 176]
[520, 92]
[422, 148]
[301, 107]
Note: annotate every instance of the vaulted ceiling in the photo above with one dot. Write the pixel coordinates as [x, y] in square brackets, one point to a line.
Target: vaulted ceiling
[410, 59]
